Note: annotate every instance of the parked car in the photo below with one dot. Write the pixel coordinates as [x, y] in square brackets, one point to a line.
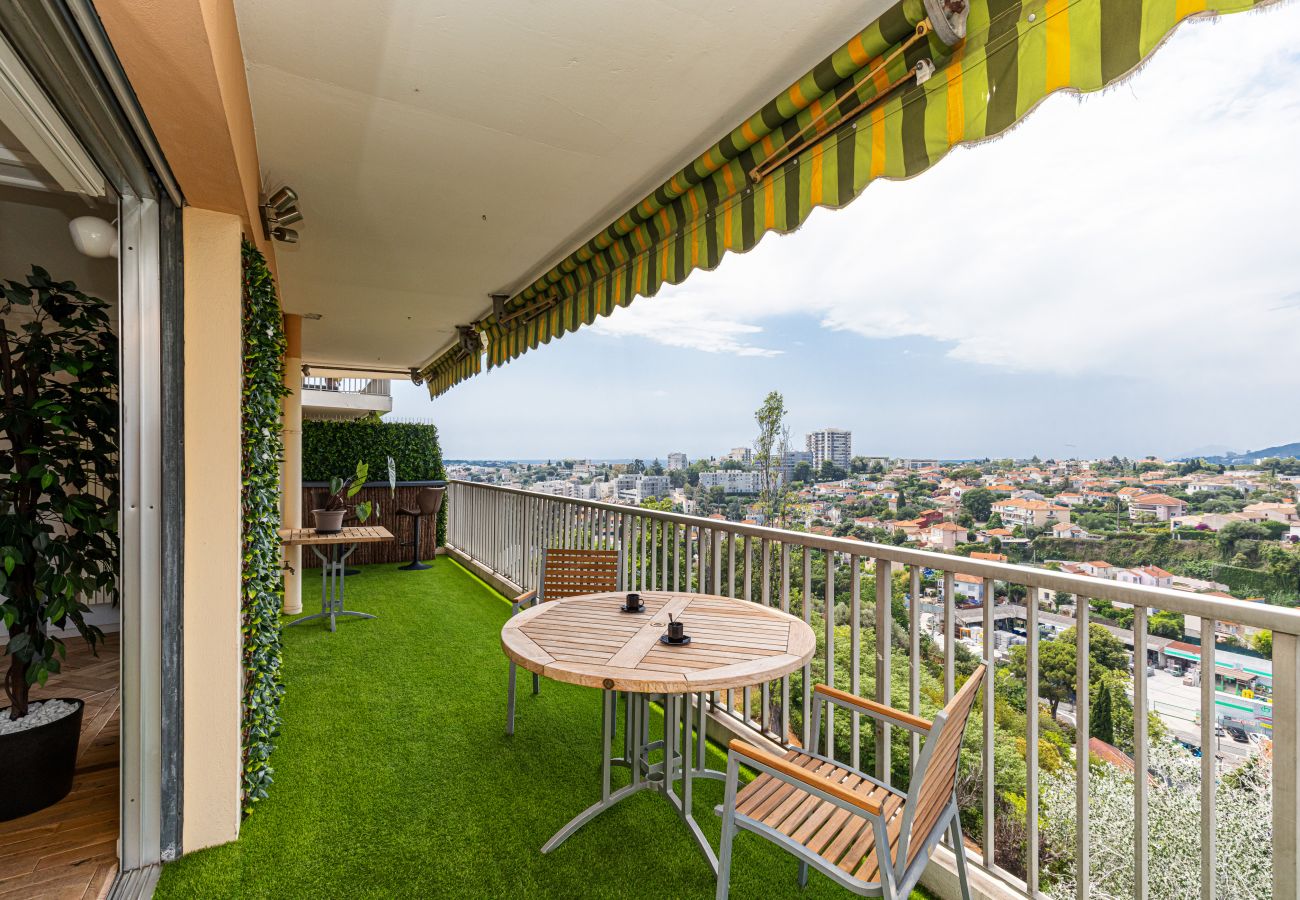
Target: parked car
[1238, 734]
[1220, 731]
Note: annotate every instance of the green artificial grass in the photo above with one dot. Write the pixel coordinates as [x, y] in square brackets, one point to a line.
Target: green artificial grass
[394, 777]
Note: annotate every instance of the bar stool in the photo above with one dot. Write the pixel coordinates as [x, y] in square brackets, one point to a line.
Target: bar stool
[427, 504]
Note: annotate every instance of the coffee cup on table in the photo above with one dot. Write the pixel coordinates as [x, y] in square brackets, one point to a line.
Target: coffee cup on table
[676, 631]
[633, 603]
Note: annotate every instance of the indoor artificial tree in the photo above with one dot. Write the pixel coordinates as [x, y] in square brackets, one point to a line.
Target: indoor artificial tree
[58, 472]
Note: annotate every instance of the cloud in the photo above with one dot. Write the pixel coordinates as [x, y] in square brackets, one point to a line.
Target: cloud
[1144, 232]
[686, 325]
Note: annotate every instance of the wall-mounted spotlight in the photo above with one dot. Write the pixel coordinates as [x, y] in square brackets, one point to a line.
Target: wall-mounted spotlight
[279, 211]
[93, 236]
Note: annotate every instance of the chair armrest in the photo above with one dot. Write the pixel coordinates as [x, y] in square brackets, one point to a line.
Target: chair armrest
[525, 598]
[788, 771]
[873, 709]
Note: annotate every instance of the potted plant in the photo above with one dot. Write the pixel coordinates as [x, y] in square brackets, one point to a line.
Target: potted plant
[58, 517]
[329, 518]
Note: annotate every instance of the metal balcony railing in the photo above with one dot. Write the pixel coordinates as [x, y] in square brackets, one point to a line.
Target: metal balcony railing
[505, 530]
[375, 387]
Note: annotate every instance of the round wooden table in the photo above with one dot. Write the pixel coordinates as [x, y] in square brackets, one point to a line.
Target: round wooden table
[590, 641]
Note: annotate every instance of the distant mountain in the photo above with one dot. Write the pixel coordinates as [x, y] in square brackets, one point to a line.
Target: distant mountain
[1251, 456]
[1215, 450]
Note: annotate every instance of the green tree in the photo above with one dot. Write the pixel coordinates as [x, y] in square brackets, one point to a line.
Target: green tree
[1102, 723]
[770, 448]
[1262, 642]
[802, 472]
[831, 472]
[979, 503]
[1164, 623]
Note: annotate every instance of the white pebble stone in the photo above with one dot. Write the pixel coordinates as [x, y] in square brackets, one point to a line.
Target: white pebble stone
[38, 714]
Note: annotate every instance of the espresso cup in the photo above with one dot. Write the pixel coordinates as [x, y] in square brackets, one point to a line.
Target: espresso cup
[676, 631]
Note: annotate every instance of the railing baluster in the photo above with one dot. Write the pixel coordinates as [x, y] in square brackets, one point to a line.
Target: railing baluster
[785, 679]
[731, 565]
[1031, 739]
[645, 545]
[715, 556]
[855, 658]
[1286, 765]
[746, 696]
[1208, 759]
[884, 658]
[765, 699]
[1139, 752]
[701, 586]
[657, 527]
[677, 557]
[1082, 684]
[829, 612]
[914, 659]
[949, 636]
[629, 549]
[807, 667]
[989, 798]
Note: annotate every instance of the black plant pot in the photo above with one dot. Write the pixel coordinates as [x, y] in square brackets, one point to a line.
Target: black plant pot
[38, 764]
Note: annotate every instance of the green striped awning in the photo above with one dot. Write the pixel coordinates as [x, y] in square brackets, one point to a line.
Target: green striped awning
[451, 369]
[925, 89]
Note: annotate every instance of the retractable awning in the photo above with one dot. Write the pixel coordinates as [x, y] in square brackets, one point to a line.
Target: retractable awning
[891, 102]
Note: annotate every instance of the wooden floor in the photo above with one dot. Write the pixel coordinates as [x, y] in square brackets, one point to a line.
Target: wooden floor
[70, 849]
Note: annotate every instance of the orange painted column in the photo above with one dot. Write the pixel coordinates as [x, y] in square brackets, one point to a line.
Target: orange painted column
[291, 470]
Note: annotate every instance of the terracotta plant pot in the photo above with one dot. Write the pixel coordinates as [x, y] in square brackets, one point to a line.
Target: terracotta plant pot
[38, 763]
[328, 521]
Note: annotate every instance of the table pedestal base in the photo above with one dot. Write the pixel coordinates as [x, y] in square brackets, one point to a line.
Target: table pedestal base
[683, 758]
[331, 585]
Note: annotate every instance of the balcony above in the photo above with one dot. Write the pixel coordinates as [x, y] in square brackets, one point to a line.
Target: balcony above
[345, 398]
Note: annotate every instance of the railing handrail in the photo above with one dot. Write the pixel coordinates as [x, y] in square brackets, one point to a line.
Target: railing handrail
[1256, 615]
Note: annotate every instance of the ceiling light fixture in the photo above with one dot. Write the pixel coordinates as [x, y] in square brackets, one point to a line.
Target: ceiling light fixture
[93, 236]
[279, 211]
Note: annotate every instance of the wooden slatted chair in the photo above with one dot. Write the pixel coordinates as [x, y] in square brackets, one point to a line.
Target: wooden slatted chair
[565, 573]
[836, 819]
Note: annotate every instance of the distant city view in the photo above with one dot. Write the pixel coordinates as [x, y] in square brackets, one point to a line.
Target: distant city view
[1220, 528]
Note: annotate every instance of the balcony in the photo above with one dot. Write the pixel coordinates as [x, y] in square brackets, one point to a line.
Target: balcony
[393, 774]
[345, 398]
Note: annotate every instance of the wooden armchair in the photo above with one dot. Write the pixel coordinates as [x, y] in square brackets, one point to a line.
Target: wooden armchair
[565, 573]
[837, 819]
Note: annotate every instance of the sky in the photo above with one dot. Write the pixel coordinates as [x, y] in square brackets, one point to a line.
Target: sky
[1118, 275]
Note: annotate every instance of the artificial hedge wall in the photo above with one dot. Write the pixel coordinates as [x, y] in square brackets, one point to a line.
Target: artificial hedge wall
[263, 591]
[334, 448]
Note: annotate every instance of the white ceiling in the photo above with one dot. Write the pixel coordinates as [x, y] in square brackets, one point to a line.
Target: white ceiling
[447, 150]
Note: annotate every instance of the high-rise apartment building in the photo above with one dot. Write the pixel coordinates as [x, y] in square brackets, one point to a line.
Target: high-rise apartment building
[833, 444]
[677, 462]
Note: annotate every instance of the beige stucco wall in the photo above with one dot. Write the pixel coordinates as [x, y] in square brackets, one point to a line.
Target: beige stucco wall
[213, 370]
